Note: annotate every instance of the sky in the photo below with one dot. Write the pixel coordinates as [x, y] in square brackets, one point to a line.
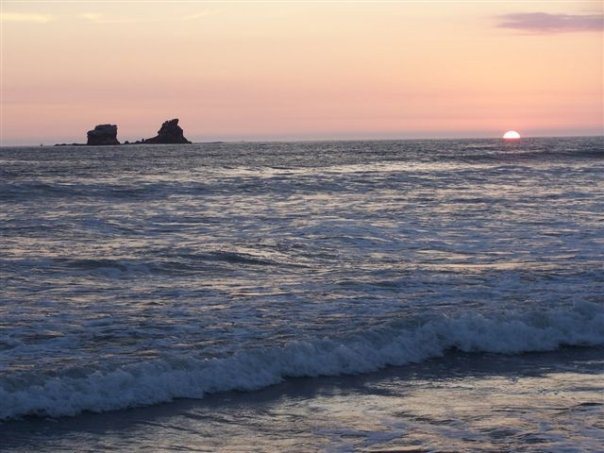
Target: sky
[300, 70]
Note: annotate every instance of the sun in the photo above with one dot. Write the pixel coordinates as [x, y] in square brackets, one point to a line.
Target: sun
[511, 135]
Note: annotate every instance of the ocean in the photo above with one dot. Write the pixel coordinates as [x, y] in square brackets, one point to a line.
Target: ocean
[417, 295]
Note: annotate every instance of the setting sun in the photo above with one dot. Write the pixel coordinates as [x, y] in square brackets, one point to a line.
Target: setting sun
[511, 135]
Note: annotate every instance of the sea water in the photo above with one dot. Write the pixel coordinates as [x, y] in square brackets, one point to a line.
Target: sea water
[136, 275]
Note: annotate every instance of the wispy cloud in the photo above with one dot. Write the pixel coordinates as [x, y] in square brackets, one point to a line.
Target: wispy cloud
[99, 18]
[196, 16]
[26, 17]
[552, 23]
[93, 17]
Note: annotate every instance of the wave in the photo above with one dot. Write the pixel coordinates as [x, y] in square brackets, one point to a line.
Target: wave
[169, 263]
[516, 153]
[69, 392]
[136, 190]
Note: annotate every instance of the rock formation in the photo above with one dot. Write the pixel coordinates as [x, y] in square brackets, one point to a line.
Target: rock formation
[103, 134]
[106, 134]
[170, 132]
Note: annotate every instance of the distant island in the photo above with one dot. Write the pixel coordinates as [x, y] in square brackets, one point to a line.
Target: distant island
[106, 134]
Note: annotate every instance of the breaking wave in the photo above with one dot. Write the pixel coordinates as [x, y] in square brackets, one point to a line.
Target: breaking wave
[71, 392]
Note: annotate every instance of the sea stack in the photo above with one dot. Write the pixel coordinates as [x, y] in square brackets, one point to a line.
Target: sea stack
[103, 134]
[170, 132]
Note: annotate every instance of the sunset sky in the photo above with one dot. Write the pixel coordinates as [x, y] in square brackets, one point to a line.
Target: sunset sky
[296, 70]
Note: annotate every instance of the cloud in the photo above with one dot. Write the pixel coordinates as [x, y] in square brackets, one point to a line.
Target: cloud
[99, 18]
[552, 23]
[196, 16]
[26, 17]
[94, 17]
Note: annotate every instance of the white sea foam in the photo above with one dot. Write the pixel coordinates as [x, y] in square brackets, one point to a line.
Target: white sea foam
[395, 344]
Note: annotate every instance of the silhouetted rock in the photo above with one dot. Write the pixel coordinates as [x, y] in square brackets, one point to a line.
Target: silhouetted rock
[170, 132]
[103, 134]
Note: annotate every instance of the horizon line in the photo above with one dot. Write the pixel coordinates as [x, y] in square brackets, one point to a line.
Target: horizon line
[295, 140]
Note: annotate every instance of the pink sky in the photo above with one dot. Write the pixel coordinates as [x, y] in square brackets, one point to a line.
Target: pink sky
[294, 70]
